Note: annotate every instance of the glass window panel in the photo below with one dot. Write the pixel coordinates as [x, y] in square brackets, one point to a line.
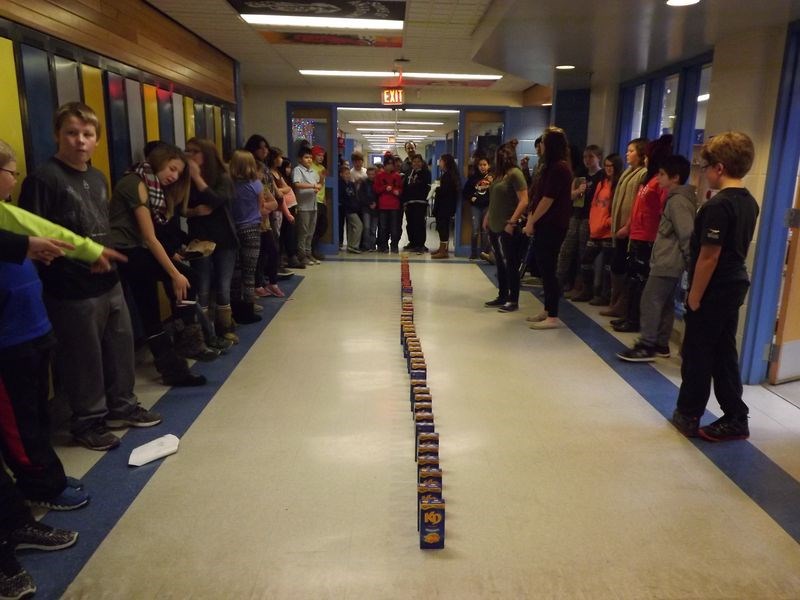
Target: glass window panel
[669, 104]
[702, 105]
[638, 112]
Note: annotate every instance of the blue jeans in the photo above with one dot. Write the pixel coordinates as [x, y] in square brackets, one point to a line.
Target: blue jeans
[478, 234]
[369, 236]
[217, 268]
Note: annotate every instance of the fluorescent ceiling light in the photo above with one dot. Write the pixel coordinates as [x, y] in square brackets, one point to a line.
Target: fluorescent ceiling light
[565, 67]
[393, 130]
[374, 129]
[681, 2]
[432, 110]
[371, 109]
[395, 122]
[324, 22]
[460, 76]
[703, 97]
[547, 104]
[417, 130]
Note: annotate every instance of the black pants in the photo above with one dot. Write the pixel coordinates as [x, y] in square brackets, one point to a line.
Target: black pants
[507, 253]
[25, 421]
[443, 228]
[619, 260]
[390, 224]
[709, 353]
[638, 271]
[416, 213]
[547, 242]
[142, 274]
[289, 234]
[268, 259]
[13, 512]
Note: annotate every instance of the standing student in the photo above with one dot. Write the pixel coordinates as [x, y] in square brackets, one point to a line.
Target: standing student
[415, 201]
[368, 202]
[389, 187]
[93, 358]
[281, 171]
[248, 206]
[320, 165]
[723, 230]
[358, 172]
[350, 206]
[548, 220]
[306, 185]
[508, 198]
[668, 261]
[445, 202]
[476, 193]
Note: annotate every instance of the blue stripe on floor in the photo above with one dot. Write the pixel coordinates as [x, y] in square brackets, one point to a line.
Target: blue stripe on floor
[767, 484]
[114, 486]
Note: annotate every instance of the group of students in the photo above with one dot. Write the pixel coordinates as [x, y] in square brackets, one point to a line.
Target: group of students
[374, 199]
[93, 295]
[645, 223]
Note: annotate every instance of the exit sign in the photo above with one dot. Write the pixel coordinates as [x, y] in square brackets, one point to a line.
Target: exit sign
[393, 97]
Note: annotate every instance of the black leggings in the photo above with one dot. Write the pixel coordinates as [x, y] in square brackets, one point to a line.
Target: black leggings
[289, 234]
[443, 229]
[267, 268]
[507, 254]
[547, 244]
[141, 274]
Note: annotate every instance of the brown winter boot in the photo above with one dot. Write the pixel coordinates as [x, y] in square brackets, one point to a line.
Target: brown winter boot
[441, 252]
[223, 323]
[619, 307]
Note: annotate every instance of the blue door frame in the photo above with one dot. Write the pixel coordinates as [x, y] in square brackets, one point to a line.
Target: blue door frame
[333, 173]
[770, 253]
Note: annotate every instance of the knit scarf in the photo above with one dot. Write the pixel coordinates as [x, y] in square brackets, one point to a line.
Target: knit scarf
[156, 198]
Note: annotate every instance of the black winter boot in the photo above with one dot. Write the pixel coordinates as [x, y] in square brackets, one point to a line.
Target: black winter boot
[174, 369]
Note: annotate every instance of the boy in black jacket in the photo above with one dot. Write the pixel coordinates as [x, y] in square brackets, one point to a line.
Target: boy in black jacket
[415, 201]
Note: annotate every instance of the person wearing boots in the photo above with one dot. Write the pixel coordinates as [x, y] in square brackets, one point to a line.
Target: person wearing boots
[643, 228]
[208, 216]
[145, 228]
[669, 259]
[624, 195]
[476, 193]
[445, 201]
[415, 202]
[94, 352]
[600, 243]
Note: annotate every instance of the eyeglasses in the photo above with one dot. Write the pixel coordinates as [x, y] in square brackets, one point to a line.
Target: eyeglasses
[14, 173]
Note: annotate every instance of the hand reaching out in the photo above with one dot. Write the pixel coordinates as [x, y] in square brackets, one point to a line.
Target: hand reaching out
[46, 250]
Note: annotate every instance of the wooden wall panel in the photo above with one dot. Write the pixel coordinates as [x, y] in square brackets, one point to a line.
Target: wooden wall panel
[94, 96]
[134, 33]
[11, 123]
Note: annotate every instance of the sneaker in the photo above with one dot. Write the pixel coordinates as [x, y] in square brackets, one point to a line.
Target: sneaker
[531, 280]
[97, 438]
[284, 273]
[257, 308]
[75, 484]
[508, 307]
[537, 318]
[626, 327]
[726, 429]
[354, 251]
[138, 417]
[686, 425]
[662, 351]
[488, 257]
[15, 582]
[275, 290]
[68, 499]
[262, 292]
[295, 263]
[548, 323]
[496, 302]
[306, 262]
[38, 536]
[317, 256]
[639, 353]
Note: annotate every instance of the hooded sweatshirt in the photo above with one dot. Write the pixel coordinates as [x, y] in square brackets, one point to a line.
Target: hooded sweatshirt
[671, 251]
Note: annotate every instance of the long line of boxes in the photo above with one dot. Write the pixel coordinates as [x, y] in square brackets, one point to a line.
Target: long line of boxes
[430, 501]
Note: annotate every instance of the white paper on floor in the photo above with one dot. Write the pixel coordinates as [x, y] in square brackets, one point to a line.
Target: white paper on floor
[158, 448]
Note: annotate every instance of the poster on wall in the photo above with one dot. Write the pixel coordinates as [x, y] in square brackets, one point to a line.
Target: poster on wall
[350, 9]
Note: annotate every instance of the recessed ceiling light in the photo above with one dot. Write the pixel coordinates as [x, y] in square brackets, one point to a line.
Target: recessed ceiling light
[324, 22]
[565, 67]
[459, 76]
[396, 122]
[432, 110]
[681, 2]
[703, 97]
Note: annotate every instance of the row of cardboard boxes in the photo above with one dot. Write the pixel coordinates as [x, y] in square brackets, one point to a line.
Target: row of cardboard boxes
[430, 501]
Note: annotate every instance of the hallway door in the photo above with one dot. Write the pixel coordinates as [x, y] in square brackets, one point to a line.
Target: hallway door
[785, 356]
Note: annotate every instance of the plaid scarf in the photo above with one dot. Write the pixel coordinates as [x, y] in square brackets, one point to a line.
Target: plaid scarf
[156, 199]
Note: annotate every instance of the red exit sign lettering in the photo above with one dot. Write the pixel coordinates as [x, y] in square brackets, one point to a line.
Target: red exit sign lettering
[393, 97]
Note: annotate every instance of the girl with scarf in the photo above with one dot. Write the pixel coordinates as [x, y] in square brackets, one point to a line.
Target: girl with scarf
[145, 228]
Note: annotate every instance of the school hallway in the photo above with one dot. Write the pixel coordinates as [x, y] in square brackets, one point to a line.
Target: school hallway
[295, 476]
